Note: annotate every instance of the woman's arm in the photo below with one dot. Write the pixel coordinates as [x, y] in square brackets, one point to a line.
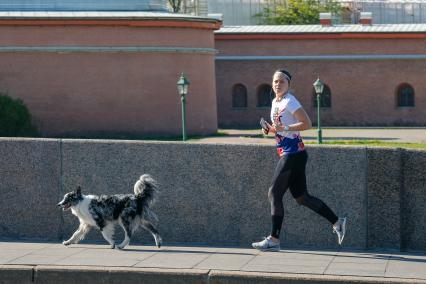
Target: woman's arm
[303, 124]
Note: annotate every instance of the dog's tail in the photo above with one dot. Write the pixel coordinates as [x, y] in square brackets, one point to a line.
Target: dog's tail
[146, 189]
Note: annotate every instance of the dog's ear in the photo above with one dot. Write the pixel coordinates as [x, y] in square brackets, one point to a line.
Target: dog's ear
[78, 191]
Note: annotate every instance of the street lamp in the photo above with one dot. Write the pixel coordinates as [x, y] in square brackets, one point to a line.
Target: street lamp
[319, 87]
[182, 86]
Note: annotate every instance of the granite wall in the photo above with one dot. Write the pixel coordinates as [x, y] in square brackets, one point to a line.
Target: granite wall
[30, 183]
[216, 193]
[413, 200]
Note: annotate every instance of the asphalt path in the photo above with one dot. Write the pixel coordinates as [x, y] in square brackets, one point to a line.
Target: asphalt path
[402, 135]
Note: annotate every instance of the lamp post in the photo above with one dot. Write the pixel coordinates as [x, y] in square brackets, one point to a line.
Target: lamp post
[182, 86]
[319, 87]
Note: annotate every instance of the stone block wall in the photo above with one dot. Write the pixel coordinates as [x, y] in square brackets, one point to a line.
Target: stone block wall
[216, 193]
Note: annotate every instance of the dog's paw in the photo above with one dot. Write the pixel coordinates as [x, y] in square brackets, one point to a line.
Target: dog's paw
[119, 247]
[66, 243]
[113, 246]
[158, 241]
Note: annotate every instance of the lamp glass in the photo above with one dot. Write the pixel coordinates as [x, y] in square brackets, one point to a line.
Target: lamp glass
[182, 85]
[319, 86]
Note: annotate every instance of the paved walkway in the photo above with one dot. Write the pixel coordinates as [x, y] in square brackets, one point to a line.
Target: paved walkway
[409, 135]
[211, 264]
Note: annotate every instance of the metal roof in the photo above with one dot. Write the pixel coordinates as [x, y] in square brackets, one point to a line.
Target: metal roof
[298, 29]
[96, 15]
[83, 5]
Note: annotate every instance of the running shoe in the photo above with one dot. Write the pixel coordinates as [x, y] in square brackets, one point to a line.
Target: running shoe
[340, 229]
[266, 245]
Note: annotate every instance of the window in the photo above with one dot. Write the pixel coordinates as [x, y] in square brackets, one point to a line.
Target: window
[405, 96]
[325, 97]
[264, 96]
[239, 96]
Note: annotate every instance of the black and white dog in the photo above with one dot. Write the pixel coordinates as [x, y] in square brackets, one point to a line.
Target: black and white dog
[103, 212]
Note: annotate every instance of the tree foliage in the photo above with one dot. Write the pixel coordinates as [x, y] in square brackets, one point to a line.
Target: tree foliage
[297, 12]
[15, 119]
[176, 5]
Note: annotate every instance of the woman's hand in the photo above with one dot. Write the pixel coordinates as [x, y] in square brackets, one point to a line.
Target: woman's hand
[266, 130]
[279, 128]
[271, 128]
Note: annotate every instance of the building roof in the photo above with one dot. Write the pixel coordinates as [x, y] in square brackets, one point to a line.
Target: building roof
[83, 5]
[93, 15]
[319, 29]
[107, 18]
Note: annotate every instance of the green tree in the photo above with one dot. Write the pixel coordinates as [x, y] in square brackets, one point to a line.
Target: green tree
[176, 5]
[15, 119]
[297, 12]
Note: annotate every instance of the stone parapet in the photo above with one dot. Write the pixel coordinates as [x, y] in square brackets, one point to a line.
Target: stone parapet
[216, 193]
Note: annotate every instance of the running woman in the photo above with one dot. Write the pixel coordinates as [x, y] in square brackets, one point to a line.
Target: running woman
[288, 118]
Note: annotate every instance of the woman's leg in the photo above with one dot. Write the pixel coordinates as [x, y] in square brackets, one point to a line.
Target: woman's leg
[318, 206]
[279, 185]
[276, 192]
[299, 190]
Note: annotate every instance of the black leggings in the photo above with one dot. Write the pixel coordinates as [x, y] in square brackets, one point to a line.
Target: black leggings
[290, 173]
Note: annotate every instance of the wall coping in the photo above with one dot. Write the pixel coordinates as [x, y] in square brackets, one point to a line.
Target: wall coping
[117, 141]
[134, 19]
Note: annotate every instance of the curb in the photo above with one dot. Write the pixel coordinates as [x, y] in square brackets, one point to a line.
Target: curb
[12, 274]
[238, 277]
[43, 274]
[95, 275]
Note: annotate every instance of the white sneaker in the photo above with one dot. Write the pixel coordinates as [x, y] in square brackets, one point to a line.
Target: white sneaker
[340, 229]
[267, 245]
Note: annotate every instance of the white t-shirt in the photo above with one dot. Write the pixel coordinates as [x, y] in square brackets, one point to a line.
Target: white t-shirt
[282, 113]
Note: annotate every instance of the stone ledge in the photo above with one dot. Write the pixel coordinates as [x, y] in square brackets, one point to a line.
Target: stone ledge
[95, 274]
[12, 274]
[236, 277]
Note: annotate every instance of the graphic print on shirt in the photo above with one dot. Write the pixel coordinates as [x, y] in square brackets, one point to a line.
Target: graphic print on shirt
[287, 142]
[277, 115]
